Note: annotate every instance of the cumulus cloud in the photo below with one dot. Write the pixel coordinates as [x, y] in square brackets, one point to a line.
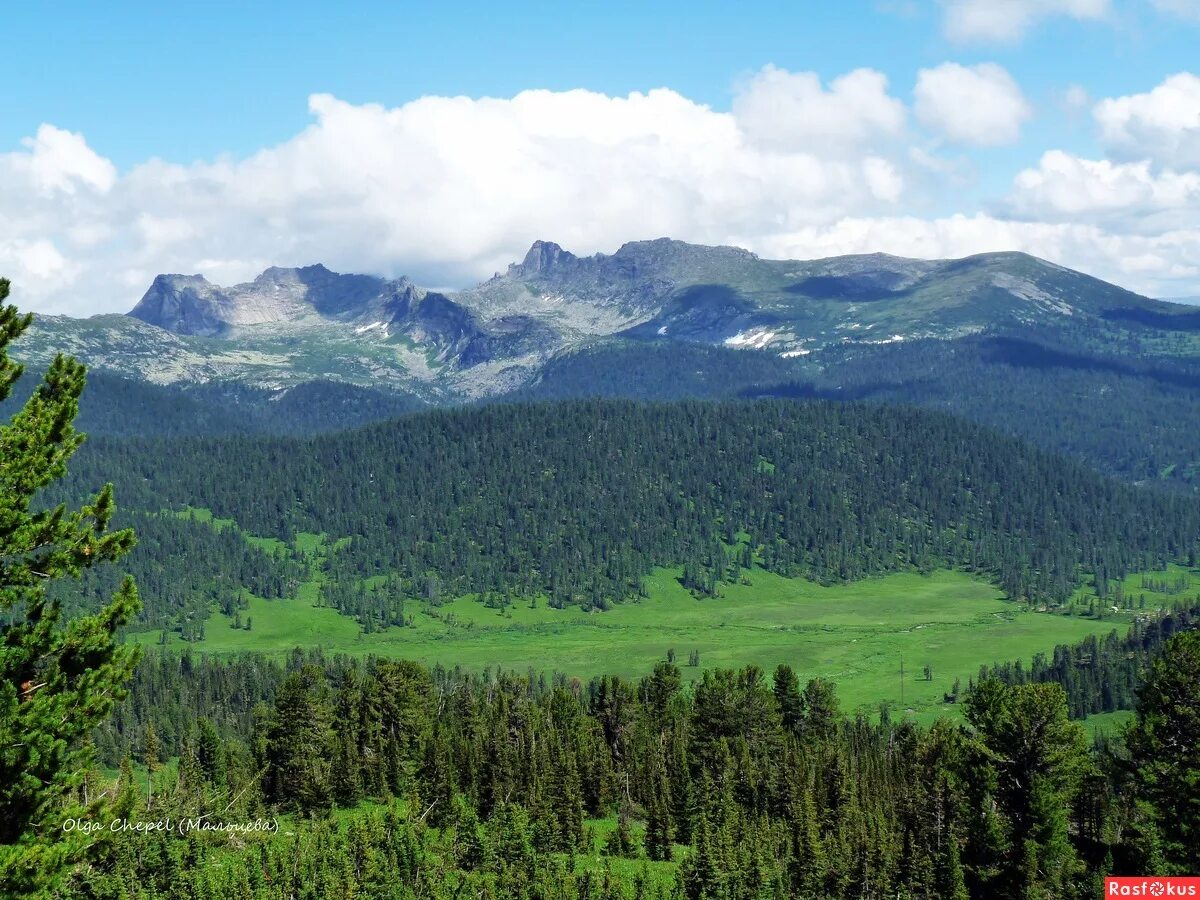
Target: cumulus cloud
[1161, 265]
[1162, 125]
[451, 189]
[980, 105]
[1064, 187]
[1006, 21]
[1145, 196]
[60, 161]
[792, 110]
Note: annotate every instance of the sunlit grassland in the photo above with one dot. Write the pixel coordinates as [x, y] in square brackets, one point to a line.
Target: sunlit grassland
[858, 635]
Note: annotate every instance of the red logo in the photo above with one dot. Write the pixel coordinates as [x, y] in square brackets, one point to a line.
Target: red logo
[1152, 886]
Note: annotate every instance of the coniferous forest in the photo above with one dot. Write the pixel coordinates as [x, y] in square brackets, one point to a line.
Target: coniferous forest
[307, 775]
[577, 501]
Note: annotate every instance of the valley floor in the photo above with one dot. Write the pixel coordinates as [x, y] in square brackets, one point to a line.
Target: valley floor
[857, 635]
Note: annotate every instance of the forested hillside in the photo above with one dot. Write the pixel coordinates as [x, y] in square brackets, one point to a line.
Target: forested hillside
[1127, 416]
[578, 501]
[185, 568]
[1133, 417]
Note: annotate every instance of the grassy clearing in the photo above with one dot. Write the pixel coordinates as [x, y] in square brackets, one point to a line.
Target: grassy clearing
[1109, 724]
[855, 634]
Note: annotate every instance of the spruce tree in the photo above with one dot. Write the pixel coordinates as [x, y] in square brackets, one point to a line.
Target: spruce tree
[58, 678]
[1164, 746]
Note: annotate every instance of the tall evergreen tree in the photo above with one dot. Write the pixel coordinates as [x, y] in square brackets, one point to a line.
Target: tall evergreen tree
[58, 679]
[1031, 757]
[1164, 744]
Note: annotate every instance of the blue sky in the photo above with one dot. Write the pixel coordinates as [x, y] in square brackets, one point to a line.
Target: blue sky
[214, 84]
[190, 81]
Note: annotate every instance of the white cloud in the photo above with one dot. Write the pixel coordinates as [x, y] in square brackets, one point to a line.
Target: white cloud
[1158, 265]
[1162, 125]
[1184, 9]
[60, 160]
[1135, 196]
[1006, 21]
[449, 189]
[790, 110]
[980, 105]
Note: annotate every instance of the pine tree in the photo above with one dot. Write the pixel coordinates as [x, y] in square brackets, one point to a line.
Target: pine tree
[301, 742]
[620, 841]
[58, 679]
[151, 755]
[1164, 745]
[658, 818]
[1031, 759]
[787, 695]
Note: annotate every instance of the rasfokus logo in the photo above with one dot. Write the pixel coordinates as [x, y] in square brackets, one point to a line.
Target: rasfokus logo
[1152, 886]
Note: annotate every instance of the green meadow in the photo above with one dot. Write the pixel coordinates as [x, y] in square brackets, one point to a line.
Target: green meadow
[859, 635]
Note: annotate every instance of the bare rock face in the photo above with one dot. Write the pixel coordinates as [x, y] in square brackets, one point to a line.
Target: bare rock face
[189, 304]
[542, 257]
[184, 304]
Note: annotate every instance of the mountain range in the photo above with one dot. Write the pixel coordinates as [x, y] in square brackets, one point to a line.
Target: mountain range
[289, 326]
[1076, 364]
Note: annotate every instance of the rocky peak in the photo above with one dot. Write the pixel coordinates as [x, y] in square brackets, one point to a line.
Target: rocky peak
[301, 274]
[184, 304]
[542, 256]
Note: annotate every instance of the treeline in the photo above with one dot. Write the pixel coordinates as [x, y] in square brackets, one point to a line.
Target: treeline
[578, 501]
[1099, 674]
[754, 786]
[115, 406]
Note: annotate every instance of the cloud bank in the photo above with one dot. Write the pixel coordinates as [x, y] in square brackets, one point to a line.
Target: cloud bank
[451, 189]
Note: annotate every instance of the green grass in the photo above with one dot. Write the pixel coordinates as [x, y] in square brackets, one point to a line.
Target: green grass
[1109, 724]
[855, 634]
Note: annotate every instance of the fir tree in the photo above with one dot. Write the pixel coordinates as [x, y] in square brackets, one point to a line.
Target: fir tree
[58, 679]
[1164, 746]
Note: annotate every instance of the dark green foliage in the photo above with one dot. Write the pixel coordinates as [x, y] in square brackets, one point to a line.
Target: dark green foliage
[640, 370]
[184, 568]
[1025, 766]
[113, 406]
[1164, 750]
[529, 499]
[746, 804]
[300, 743]
[59, 677]
[1132, 416]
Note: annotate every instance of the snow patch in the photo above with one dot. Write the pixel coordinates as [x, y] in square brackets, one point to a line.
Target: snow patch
[757, 338]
